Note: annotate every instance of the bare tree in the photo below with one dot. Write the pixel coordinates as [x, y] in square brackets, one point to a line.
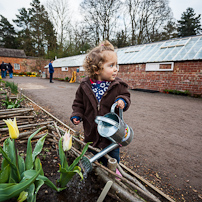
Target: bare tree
[59, 14]
[78, 40]
[100, 17]
[147, 19]
[133, 10]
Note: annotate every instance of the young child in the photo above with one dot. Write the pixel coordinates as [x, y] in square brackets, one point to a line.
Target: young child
[97, 93]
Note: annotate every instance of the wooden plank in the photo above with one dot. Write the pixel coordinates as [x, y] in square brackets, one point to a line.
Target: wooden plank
[146, 182]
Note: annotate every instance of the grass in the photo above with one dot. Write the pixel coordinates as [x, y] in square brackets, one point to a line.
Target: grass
[13, 87]
[177, 92]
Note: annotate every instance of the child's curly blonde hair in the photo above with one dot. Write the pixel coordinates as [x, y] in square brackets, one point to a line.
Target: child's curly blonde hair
[96, 57]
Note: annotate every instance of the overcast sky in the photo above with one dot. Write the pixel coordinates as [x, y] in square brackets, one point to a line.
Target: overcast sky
[9, 8]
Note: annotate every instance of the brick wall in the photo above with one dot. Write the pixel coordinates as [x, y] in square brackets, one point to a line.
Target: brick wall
[26, 64]
[185, 76]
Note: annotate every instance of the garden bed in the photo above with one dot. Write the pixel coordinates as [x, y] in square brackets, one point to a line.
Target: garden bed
[88, 189]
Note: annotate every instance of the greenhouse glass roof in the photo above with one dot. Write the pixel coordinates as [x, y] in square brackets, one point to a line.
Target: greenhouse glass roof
[180, 49]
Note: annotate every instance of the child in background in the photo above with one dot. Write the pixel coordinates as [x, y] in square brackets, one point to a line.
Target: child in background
[97, 93]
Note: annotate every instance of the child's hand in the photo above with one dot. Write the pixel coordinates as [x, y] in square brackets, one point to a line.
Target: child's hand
[120, 104]
[75, 121]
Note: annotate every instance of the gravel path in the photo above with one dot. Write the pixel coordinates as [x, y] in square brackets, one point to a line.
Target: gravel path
[167, 147]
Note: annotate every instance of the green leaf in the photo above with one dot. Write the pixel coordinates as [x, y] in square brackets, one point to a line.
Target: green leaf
[29, 173]
[6, 185]
[21, 164]
[14, 174]
[38, 184]
[76, 161]
[62, 170]
[4, 174]
[62, 156]
[4, 163]
[8, 191]
[11, 150]
[6, 146]
[78, 170]
[49, 183]
[9, 147]
[38, 147]
[10, 106]
[31, 193]
[68, 172]
[11, 180]
[7, 158]
[67, 176]
[28, 160]
[37, 166]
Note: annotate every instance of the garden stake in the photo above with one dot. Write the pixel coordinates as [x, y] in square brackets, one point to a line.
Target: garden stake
[105, 191]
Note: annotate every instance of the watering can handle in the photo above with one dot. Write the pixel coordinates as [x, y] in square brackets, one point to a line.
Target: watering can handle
[120, 110]
[106, 120]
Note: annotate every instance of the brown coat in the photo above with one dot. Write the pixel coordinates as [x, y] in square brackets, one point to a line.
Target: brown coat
[87, 107]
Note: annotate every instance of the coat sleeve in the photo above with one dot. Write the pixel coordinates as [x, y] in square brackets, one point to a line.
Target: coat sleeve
[78, 105]
[124, 94]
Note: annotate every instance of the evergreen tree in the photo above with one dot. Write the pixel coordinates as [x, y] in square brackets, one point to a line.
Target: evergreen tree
[8, 36]
[189, 23]
[169, 31]
[23, 21]
[121, 40]
[37, 27]
[37, 34]
[42, 29]
[50, 38]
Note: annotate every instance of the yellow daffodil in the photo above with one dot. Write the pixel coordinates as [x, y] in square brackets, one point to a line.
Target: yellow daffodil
[13, 128]
[67, 141]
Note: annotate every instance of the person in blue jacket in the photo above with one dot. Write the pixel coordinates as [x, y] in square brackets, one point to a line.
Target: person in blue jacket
[10, 70]
[51, 71]
[3, 70]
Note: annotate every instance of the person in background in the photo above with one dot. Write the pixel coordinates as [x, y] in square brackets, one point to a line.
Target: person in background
[97, 93]
[51, 71]
[10, 70]
[40, 74]
[3, 70]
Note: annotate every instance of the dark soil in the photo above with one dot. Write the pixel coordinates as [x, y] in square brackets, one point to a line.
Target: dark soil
[167, 146]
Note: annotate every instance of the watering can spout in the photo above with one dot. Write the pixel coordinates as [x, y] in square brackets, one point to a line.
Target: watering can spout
[86, 164]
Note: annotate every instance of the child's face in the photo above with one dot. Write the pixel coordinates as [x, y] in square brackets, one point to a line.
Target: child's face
[109, 71]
